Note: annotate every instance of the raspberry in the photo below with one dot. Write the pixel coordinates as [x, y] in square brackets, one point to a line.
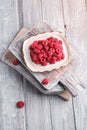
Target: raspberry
[46, 48]
[39, 47]
[45, 81]
[55, 45]
[15, 62]
[53, 60]
[20, 104]
[40, 41]
[49, 59]
[50, 38]
[50, 53]
[30, 47]
[37, 62]
[32, 54]
[43, 60]
[36, 50]
[51, 44]
[52, 49]
[59, 42]
[40, 56]
[44, 63]
[34, 58]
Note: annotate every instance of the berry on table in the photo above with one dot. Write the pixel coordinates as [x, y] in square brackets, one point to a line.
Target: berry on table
[15, 62]
[45, 81]
[20, 104]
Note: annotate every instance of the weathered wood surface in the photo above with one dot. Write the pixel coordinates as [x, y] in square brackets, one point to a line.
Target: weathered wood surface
[41, 112]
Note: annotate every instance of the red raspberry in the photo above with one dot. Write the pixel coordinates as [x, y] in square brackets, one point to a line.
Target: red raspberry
[36, 50]
[40, 56]
[50, 38]
[34, 58]
[30, 47]
[60, 56]
[53, 60]
[59, 49]
[49, 58]
[37, 62]
[39, 47]
[15, 62]
[40, 41]
[42, 51]
[55, 45]
[32, 54]
[46, 48]
[52, 50]
[43, 60]
[35, 44]
[20, 104]
[51, 44]
[59, 42]
[45, 81]
[44, 63]
[50, 53]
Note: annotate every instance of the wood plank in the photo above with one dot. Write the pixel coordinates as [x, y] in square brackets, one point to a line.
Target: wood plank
[32, 13]
[61, 113]
[11, 89]
[37, 108]
[75, 15]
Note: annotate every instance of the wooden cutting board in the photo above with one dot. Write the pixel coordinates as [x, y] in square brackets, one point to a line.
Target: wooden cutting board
[8, 57]
[64, 74]
[16, 47]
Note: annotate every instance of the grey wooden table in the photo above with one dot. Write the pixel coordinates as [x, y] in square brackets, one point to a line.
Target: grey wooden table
[41, 112]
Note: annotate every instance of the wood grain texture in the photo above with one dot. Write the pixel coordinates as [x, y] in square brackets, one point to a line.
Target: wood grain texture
[11, 89]
[55, 17]
[41, 112]
[75, 15]
[38, 108]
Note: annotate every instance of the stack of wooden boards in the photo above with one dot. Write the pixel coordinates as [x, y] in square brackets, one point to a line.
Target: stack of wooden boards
[64, 82]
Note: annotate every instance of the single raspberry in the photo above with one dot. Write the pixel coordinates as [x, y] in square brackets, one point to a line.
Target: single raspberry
[20, 104]
[44, 55]
[40, 41]
[50, 53]
[43, 60]
[37, 62]
[40, 47]
[32, 54]
[46, 48]
[53, 60]
[50, 38]
[36, 50]
[40, 56]
[34, 58]
[55, 45]
[59, 42]
[31, 47]
[52, 50]
[45, 81]
[44, 63]
[15, 62]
